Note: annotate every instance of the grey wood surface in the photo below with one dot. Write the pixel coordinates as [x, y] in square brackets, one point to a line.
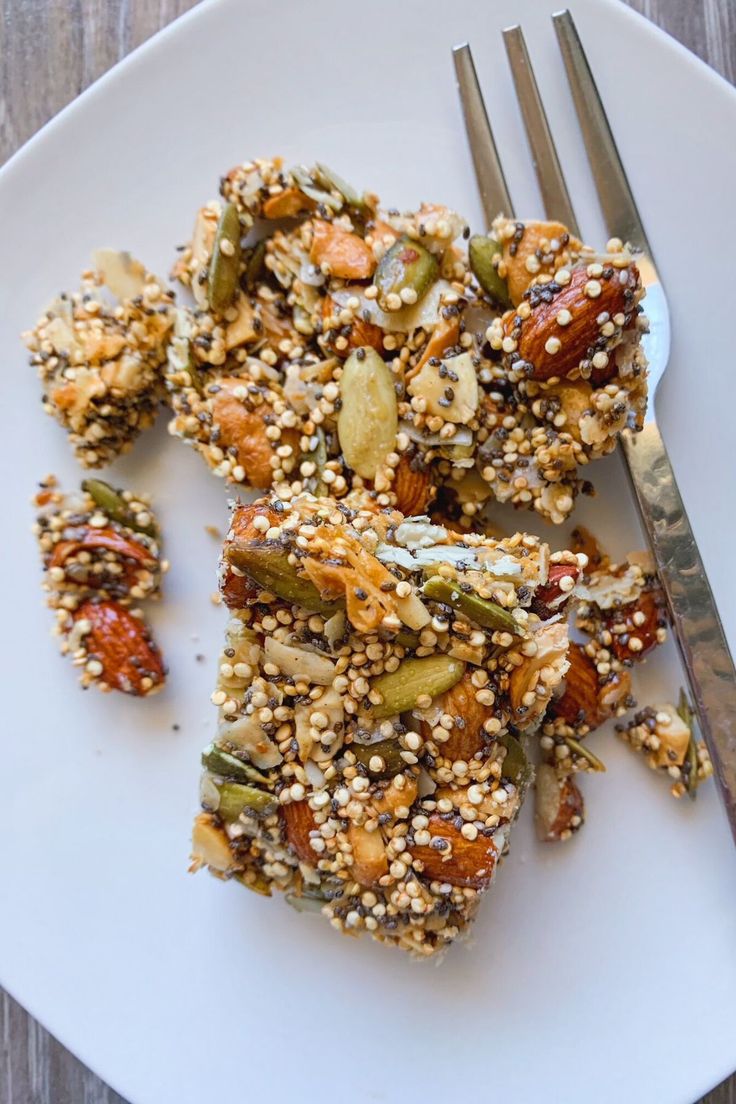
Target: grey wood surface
[51, 50]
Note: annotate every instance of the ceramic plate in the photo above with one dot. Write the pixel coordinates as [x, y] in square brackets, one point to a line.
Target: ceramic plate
[602, 970]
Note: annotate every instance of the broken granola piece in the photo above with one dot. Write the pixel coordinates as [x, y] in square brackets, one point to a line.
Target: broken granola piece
[100, 354]
[664, 735]
[101, 555]
[622, 606]
[376, 676]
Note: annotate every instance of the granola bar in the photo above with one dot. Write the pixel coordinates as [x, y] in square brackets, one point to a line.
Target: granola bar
[377, 677]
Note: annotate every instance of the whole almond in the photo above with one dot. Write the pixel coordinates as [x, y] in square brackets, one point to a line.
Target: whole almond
[450, 857]
[466, 736]
[545, 346]
[639, 622]
[131, 661]
[413, 486]
[298, 820]
[580, 703]
[238, 589]
[244, 429]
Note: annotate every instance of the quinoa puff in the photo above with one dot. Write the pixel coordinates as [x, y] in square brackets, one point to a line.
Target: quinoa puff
[100, 354]
[101, 555]
[373, 350]
[377, 679]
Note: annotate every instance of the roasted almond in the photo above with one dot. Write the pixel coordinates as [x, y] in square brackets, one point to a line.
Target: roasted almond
[531, 249]
[357, 334]
[290, 203]
[450, 857]
[413, 485]
[548, 598]
[465, 738]
[559, 805]
[348, 256]
[298, 820]
[565, 326]
[637, 627]
[104, 540]
[580, 703]
[122, 643]
[244, 429]
[238, 589]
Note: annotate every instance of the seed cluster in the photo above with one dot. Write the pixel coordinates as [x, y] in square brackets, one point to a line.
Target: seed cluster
[101, 557]
[375, 683]
[664, 735]
[100, 354]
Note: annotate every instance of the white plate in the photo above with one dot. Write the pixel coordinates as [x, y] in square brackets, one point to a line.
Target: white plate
[604, 970]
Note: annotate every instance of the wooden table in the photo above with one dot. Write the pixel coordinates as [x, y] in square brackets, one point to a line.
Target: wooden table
[51, 50]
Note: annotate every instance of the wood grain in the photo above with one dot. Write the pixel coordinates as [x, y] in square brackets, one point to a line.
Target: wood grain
[51, 50]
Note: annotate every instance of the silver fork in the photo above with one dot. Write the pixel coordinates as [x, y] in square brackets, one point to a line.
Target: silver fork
[707, 661]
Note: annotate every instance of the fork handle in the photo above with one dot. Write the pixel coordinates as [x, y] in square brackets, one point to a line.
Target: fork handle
[697, 626]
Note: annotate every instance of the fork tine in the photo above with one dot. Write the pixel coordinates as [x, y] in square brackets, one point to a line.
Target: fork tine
[494, 192]
[555, 196]
[620, 212]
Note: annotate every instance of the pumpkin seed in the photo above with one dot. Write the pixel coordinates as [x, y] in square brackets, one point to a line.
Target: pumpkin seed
[487, 614]
[407, 265]
[387, 750]
[115, 506]
[481, 254]
[267, 564]
[235, 798]
[584, 752]
[225, 260]
[368, 420]
[230, 767]
[331, 179]
[414, 678]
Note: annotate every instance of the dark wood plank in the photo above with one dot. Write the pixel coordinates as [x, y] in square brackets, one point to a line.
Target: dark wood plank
[51, 51]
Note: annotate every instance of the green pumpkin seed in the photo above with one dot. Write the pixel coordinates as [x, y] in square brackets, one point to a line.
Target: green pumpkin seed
[330, 179]
[231, 767]
[235, 798]
[516, 765]
[387, 750]
[407, 265]
[481, 252]
[225, 260]
[114, 505]
[254, 264]
[413, 679]
[369, 418]
[487, 614]
[267, 564]
[584, 752]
